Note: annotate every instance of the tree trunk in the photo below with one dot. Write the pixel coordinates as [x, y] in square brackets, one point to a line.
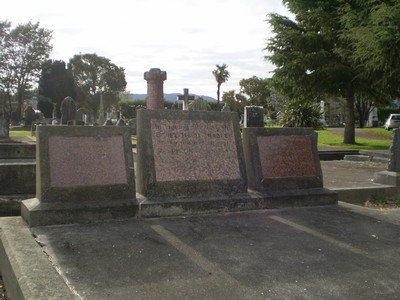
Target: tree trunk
[349, 129]
[218, 92]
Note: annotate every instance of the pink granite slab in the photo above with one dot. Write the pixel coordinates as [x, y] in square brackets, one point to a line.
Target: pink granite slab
[86, 161]
[286, 156]
[187, 150]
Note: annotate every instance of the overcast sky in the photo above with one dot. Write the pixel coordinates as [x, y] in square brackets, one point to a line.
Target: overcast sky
[185, 38]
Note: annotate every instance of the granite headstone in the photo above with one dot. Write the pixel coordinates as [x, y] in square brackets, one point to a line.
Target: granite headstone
[189, 154]
[83, 174]
[282, 159]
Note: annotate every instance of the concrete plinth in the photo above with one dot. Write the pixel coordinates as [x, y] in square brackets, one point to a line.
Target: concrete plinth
[387, 177]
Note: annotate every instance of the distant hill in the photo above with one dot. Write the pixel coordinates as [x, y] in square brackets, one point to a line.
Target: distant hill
[170, 97]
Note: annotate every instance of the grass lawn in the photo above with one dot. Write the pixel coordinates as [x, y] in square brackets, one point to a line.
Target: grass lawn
[20, 133]
[382, 140]
[28, 133]
[325, 139]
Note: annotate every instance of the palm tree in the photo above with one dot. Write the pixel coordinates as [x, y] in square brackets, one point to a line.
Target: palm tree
[221, 75]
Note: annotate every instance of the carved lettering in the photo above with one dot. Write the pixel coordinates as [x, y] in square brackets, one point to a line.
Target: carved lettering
[194, 150]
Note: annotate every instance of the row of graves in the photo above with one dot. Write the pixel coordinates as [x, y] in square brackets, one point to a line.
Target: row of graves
[186, 163]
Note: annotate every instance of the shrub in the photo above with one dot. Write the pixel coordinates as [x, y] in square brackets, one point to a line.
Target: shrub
[300, 113]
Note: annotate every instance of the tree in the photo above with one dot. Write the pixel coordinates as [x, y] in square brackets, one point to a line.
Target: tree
[127, 109]
[23, 50]
[5, 85]
[372, 29]
[236, 102]
[257, 89]
[56, 83]
[221, 75]
[95, 76]
[199, 105]
[313, 60]
[363, 107]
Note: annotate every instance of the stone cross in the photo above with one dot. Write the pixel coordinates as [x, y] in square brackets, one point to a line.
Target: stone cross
[155, 88]
[185, 97]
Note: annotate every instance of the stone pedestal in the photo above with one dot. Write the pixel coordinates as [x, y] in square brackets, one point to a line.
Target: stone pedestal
[387, 177]
[155, 88]
[392, 175]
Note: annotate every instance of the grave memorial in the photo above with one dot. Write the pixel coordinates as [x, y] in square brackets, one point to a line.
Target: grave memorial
[83, 174]
[391, 176]
[185, 98]
[155, 88]
[285, 160]
[253, 116]
[30, 115]
[68, 110]
[184, 154]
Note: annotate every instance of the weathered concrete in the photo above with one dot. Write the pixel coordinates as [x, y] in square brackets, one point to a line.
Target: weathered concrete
[27, 271]
[331, 252]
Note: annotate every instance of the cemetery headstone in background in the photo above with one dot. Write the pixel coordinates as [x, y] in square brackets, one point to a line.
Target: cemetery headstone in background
[391, 176]
[81, 114]
[185, 98]
[253, 116]
[155, 88]
[68, 110]
[83, 174]
[30, 116]
[226, 108]
[132, 126]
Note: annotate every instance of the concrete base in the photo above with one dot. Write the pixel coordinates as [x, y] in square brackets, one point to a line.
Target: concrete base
[362, 194]
[329, 252]
[240, 202]
[357, 157]
[37, 213]
[10, 205]
[28, 273]
[387, 177]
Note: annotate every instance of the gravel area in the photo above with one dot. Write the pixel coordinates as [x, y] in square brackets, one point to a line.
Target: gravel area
[347, 173]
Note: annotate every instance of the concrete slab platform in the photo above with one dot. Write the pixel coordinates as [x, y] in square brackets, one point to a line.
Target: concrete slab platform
[329, 252]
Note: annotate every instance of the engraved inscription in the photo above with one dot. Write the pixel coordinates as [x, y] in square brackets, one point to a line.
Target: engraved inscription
[86, 161]
[286, 156]
[194, 150]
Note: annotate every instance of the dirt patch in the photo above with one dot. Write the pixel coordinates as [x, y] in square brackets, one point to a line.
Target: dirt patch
[382, 204]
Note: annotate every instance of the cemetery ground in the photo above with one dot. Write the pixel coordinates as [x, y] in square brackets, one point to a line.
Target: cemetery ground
[343, 251]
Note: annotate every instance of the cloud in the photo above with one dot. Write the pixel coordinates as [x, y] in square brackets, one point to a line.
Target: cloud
[186, 38]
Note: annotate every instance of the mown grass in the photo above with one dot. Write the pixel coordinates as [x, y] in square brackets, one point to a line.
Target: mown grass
[329, 139]
[20, 133]
[16, 133]
[325, 139]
